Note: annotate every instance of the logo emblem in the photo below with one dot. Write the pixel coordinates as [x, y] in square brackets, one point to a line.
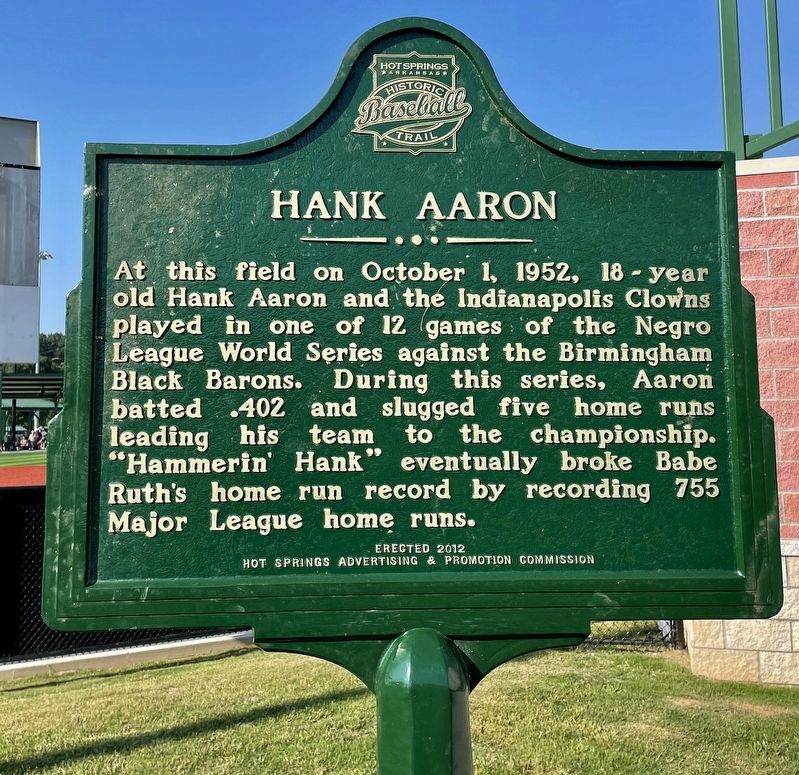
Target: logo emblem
[415, 106]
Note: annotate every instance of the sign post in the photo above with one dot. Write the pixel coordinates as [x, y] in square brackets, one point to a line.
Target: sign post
[412, 386]
[423, 706]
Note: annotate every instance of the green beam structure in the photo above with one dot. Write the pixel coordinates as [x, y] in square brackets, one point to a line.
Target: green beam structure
[731, 78]
[735, 137]
[773, 53]
[757, 145]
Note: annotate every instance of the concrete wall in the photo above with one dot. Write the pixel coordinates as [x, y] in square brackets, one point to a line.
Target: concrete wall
[768, 210]
[765, 650]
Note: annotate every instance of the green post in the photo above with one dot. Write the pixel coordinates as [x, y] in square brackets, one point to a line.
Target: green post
[773, 59]
[423, 707]
[731, 78]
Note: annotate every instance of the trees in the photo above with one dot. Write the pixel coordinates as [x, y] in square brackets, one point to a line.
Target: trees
[51, 357]
[51, 352]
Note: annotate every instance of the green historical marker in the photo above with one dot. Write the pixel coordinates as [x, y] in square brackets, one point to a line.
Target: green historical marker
[412, 386]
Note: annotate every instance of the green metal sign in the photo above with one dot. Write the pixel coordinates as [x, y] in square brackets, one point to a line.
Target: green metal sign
[411, 363]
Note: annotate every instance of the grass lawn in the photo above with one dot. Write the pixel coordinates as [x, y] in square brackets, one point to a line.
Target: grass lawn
[38, 458]
[585, 713]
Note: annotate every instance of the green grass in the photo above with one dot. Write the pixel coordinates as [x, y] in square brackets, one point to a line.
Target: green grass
[37, 458]
[586, 713]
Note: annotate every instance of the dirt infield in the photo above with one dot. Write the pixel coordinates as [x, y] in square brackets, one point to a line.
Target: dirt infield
[23, 476]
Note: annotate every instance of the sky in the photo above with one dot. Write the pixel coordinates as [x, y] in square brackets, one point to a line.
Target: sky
[615, 74]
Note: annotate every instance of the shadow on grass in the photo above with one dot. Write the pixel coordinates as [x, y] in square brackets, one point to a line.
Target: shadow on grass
[122, 670]
[126, 745]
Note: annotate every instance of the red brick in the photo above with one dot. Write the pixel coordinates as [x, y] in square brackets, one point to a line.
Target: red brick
[785, 321]
[768, 232]
[789, 506]
[767, 389]
[786, 383]
[783, 262]
[778, 352]
[768, 180]
[782, 201]
[750, 204]
[774, 292]
[789, 532]
[789, 445]
[785, 414]
[754, 263]
[763, 322]
[788, 476]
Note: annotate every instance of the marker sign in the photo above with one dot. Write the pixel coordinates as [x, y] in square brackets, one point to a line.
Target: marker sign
[410, 363]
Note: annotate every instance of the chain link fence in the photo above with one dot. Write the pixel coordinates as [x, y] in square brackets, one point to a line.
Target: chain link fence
[26, 636]
[638, 633]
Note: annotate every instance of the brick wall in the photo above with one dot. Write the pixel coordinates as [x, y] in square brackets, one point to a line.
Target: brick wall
[768, 210]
